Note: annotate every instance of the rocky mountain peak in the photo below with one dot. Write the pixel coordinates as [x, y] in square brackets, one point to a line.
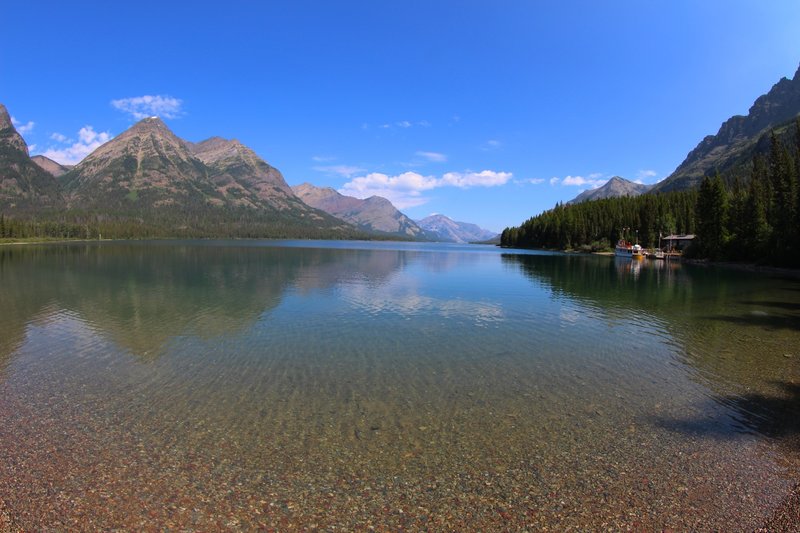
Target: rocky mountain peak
[155, 129]
[779, 104]
[149, 124]
[239, 171]
[616, 187]
[307, 191]
[23, 185]
[737, 135]
[436, 218]
[5, 118]
[9, 137]
[216, 148]
[148, 138]
[51, 167]
[378, 200]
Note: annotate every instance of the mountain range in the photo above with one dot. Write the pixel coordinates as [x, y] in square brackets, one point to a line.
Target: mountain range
[148, 166]
[371, 214]
[147, 176]
[448, 230]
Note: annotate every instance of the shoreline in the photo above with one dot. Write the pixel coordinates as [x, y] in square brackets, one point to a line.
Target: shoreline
[53, 241]
[744, 267]
[784, 517]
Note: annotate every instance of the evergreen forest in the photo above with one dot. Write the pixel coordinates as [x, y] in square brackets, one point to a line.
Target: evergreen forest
[751, 213]
[175, 223]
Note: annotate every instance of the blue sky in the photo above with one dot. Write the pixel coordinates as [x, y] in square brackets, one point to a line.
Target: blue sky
[489, 112]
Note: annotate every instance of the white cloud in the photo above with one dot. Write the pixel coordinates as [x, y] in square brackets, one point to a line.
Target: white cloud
[25, 128]
[593, 181]
[88, 141]
[345, 171]
[58, 137]
[405, 190]
[491, 144]
[434, 157]
[575, 180]
[140, 107]
[31, 148]
[532, 181]
[645, 175]
[322, 158]
[407, 181]
[404, 124]
[485, 178]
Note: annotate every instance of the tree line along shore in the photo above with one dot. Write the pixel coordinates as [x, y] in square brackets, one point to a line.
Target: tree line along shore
[750, 213]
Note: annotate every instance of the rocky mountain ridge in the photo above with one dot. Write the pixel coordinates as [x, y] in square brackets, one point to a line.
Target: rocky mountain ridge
[145, 166]
[239, 173]
[372, 214]
[148, 166]
[447, 229]
[149, 178]
[24, 186]
[737, 137]
[51, 167]
[616, 187]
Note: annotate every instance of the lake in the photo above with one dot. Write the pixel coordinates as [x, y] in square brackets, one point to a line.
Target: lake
[300, 384]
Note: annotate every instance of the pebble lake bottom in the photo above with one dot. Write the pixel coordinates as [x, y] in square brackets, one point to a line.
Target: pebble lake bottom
[298, 385]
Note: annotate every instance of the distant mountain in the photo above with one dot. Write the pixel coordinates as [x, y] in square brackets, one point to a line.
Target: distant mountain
[449, 230]
[51, 167]
[738, 137]
[24, 186]
[616, 187]
[371, 214]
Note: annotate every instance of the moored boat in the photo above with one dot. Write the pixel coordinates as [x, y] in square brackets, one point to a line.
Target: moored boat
[626, 249]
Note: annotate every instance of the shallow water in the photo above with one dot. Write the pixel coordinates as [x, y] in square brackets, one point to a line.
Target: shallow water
[205, 385]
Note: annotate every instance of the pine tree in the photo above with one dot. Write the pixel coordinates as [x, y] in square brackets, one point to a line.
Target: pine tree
[711, 212]
[784, 198]
[756, 230]
[737, 220]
